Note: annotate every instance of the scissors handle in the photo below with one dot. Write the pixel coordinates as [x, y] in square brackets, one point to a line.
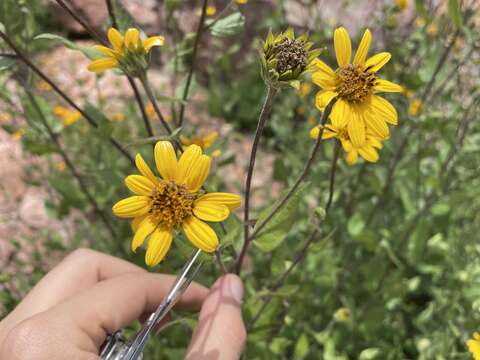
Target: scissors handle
[183, 280]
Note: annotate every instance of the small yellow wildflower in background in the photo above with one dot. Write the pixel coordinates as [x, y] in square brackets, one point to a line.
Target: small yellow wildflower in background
[60, 166]
[68, 116]
[204, 141]
[216, 153]
[474, 346]
[5, 117]
[118, 117]
[149, 109]
[367, 150]
[17, 135]
[420, 22]
[211, 10]
[241, 2]
[162, 205]
[401, 4]
[43, 86]
[128, 53]
[305, 89]
[432, 29]
[415, 107]
[342, 315]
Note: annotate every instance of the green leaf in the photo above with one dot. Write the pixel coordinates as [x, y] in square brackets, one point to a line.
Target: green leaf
[273, 234]
[230, 25]
[123, 17]
[355, 225]
[6, 62]
[88, 52]
[369, 354]
[454, 12]
[301, 347]
[105, 126]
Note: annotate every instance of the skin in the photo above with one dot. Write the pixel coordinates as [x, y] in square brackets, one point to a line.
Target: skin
[68, 314]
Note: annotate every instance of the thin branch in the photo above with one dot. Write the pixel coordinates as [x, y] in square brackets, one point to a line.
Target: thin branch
[60, 92]
[194, 59]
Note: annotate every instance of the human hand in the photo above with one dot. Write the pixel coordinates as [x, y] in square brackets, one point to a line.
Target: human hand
[69, 313]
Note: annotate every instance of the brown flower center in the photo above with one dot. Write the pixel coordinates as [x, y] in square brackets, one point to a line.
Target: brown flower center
[343, 134]
[290, 54]
[171, 203]
[354, 83]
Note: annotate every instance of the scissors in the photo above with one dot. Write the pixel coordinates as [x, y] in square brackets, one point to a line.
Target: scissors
[116, 347]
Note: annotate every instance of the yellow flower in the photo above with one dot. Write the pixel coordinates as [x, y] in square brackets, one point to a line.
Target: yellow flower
[402, 4]
[432, 29]
[211, 10]
[355, 85]
[366, 150]
[342, 314]
[60, 166]
[149, 109]
[17, 135]
[204, 141]
[128, 52]
[43, 86]
[119, 117]
[5, 117]
[474, 346]
[216, 153]
[162, 205]
[241, 2]
[305, 89]
[68, 116]
[415, 107]
[420, 22]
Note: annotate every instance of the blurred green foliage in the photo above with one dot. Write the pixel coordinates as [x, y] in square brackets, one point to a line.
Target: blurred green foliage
[399, 248]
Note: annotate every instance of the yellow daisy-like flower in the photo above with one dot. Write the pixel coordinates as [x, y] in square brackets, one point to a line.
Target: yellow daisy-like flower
[204, 141]
[355, 84]
[474, 346]
[161, 205]
[43, 86]
[17, 135]
[415, 107]
[211, 10]
[128, 52]
[118, 117]
[241, 2]
[367, 150]
[401, 4]
[68, 116]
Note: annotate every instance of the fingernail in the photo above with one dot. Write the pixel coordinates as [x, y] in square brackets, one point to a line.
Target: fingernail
[234, 286]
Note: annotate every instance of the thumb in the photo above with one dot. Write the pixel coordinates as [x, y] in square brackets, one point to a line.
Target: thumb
[220, 333]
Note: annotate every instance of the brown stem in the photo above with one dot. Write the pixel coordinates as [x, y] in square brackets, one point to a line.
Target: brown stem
[221, 264]
[153, 100]
[141, 106]
[111, 13]
[87, 117]
[194, 59]
[262, 121]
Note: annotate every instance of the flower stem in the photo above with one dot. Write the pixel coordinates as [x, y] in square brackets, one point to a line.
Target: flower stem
[194, 60]
[62, 94]
[303, 175]
[303, 251]
[218, 256]
[153, 100]
[262, 121]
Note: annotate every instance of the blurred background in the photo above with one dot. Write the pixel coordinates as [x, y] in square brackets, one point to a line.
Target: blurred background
[396, 274]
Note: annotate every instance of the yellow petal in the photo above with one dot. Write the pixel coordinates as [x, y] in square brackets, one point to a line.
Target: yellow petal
[387, 86]
[320, 66]
[362, 49]
[341, 114]
[152, 41]
[210, 211]
[356, 130]
[185, 140]
[132, 39]
[137, 221]
[323, 97]
[324, 80]
[144, 169]
[232, 201]
[132, 206]
[383, 107]
[377, 61]
[187, 162]
[102, 65]
[351, 157]
[200, 234]
[210, 139]
[158, 245]
[368, 153]
[139, 184]
[199, 173]
[105, 50]
[116, 39]
[145, 228]
[376, 123]
[315, 132]
[166, 160]
[343, 46]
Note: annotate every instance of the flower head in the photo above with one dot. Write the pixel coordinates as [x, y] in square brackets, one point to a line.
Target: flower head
[204, 141]
[162, 205]
[474, 346]
[367, 150]
[286, 57]
[211, 10]
[415, 107]
[402, 4]
[241, 2]
[129, 52]
[355, 84]
[18, 135]
[68, 116]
